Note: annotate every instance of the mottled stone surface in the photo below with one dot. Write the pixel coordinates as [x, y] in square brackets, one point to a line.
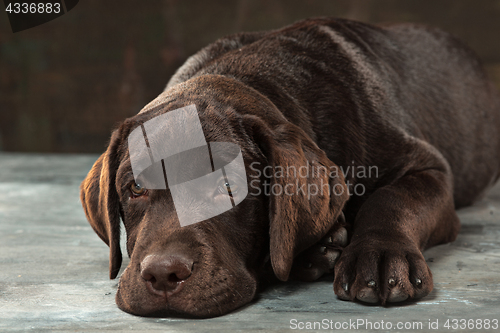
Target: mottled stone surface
[54, 269]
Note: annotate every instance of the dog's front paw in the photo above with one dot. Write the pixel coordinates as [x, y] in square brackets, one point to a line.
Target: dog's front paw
[380, 271]
[320, 259]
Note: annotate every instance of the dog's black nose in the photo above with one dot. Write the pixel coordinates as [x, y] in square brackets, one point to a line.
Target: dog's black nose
[164, 274]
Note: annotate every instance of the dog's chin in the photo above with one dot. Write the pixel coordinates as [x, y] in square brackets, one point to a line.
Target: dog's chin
[194, 300]
[179, 307]
[164, 310]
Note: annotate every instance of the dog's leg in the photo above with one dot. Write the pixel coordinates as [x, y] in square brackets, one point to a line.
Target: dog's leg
[384, 261]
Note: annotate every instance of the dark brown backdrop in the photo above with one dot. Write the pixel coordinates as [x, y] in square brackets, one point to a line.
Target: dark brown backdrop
[65, 84]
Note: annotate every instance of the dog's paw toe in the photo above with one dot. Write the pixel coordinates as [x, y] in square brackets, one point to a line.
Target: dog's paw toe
[390, 273]
[367, 295]
[397, 295]
[338, 238]
[320, 259]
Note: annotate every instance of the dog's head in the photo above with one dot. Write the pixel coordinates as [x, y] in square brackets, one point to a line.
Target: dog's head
[212, 267]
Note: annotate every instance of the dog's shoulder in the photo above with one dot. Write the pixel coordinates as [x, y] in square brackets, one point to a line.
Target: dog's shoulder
[210, 53]
[302, 32]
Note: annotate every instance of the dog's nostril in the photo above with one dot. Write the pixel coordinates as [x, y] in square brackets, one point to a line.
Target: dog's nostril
[164, 273]
[174, 278]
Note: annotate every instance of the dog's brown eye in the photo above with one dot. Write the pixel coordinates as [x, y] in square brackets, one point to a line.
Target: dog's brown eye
[137, 189]
[226, 188]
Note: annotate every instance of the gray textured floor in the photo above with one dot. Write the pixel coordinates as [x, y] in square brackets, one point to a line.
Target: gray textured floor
[54, 269]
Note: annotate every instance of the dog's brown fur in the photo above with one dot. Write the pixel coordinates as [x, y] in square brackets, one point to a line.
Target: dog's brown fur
[412, 101]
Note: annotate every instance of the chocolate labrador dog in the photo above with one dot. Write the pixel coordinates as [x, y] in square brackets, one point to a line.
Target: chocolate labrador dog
[409, 103]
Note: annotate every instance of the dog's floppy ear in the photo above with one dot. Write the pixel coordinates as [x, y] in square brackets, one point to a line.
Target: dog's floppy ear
[101, 203]
[307, 191]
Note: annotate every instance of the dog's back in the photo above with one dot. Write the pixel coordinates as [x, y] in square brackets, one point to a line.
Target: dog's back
[421, 82]
[452, 105]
